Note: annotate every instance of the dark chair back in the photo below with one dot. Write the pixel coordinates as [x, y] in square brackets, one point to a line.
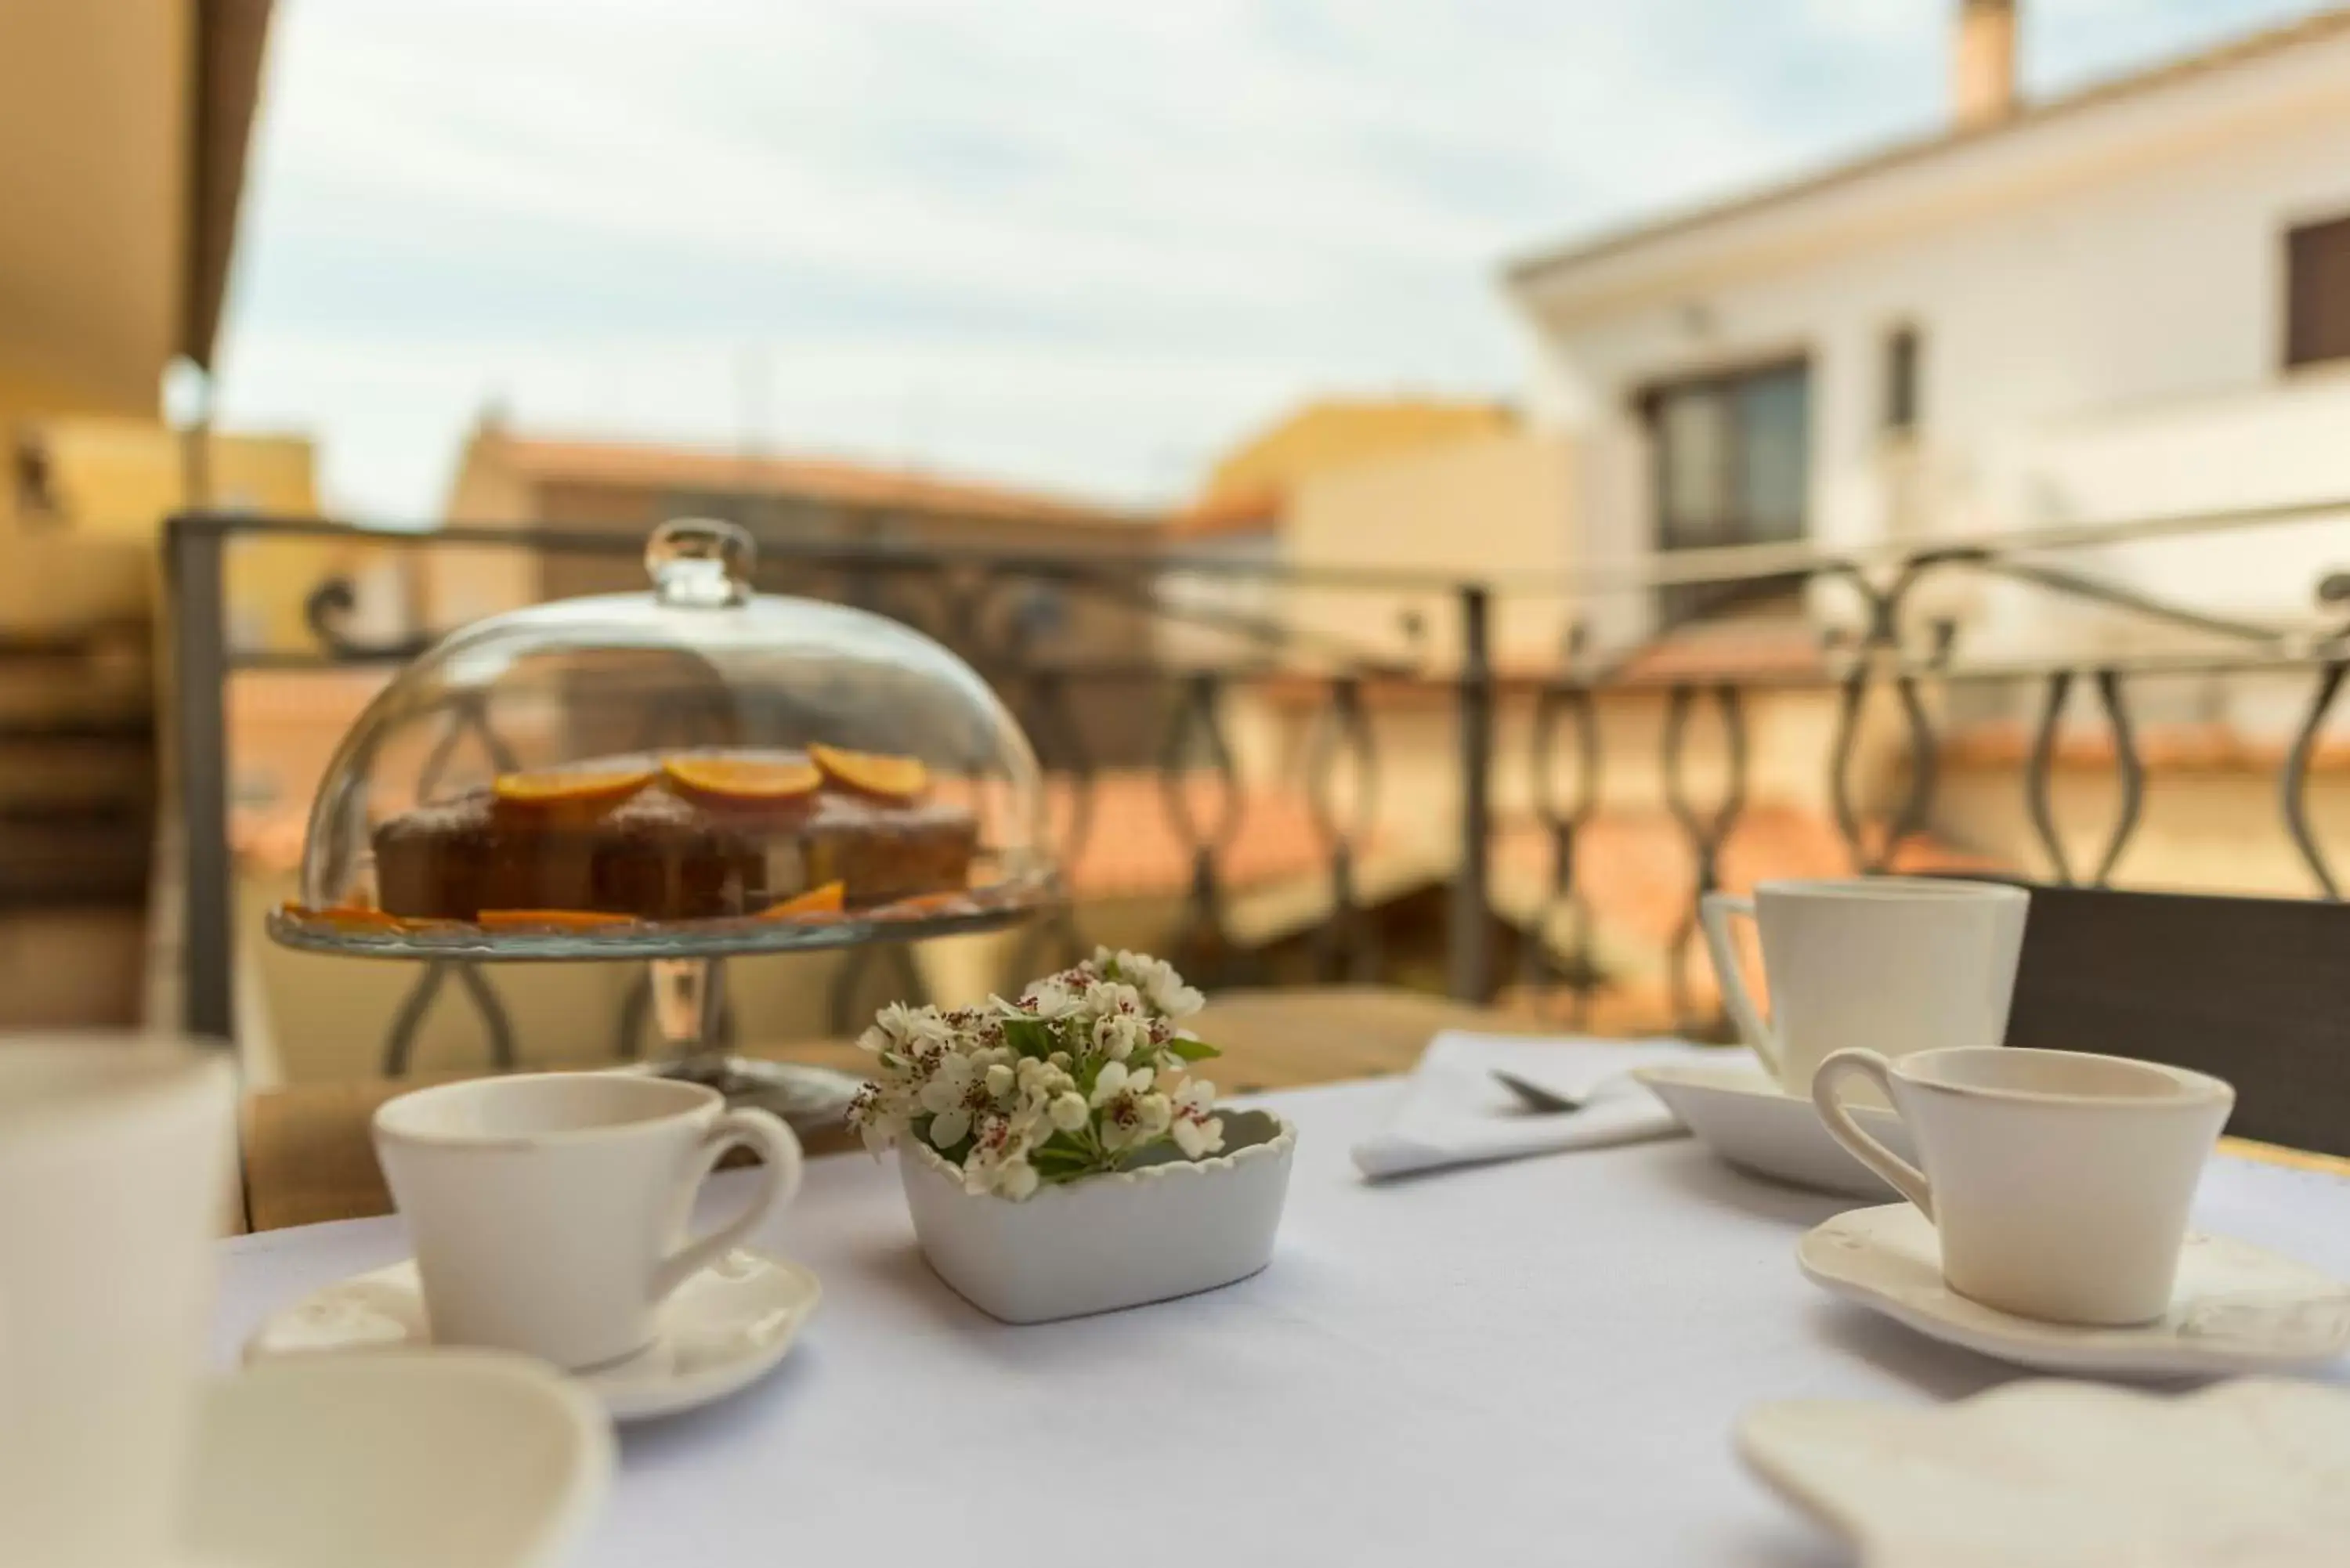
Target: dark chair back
[2254, 991]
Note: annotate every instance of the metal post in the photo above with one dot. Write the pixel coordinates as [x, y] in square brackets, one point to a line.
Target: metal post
[199, 614]
[1471, 963]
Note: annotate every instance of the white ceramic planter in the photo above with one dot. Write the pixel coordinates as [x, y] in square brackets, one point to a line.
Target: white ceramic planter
[1170, 1229]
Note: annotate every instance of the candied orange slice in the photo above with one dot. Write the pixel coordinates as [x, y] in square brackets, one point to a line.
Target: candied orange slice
[828, 899]
[349, 916]
[553, 919]
[946, 900]
[568, 789]
[871, 773]
[749, 780]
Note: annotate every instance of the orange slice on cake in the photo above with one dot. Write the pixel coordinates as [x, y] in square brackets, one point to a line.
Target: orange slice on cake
[550, 920]
[570, 789]
[817, 902]
[744, 781]
[872, 774]
[348, 916]
[922, 905]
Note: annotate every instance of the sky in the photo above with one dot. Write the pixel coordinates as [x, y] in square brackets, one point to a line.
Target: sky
[1079, 244]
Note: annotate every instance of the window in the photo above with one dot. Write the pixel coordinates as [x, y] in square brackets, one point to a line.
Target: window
[2318, 292]
[1732, 467]
[1903, 351]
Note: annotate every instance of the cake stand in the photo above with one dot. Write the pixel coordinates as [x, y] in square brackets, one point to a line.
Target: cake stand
[688, 975]
[702, 664]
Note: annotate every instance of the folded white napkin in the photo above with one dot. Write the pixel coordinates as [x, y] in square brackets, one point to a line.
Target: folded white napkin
[1455, 1113]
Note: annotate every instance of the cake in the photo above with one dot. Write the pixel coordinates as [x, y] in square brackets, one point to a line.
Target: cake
[695, 835]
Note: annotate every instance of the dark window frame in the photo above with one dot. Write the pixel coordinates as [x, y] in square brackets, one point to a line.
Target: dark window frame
[1903, 412]
[1678, 604]
[2315, 292]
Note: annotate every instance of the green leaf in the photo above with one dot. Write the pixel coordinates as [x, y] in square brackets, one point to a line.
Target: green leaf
[953, 1156]
[1192, 1050]
[1029, 1036]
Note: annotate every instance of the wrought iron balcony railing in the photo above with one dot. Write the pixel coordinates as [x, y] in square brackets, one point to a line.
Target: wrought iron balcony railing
[1380, 703]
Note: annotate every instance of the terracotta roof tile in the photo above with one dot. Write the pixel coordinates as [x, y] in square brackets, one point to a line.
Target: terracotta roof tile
[637, 465]
[2204, 748]
[1253, 511]
[1635, 868]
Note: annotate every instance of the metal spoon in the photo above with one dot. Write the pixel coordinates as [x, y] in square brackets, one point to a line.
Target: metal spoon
[1537, 1098]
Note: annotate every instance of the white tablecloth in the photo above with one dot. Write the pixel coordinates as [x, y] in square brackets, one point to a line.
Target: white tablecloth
[1531, 1363]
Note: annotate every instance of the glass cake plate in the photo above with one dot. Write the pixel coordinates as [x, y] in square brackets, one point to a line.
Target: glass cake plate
[686, 775]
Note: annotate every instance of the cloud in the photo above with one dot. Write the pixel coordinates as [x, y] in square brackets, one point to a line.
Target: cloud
[1074, 242]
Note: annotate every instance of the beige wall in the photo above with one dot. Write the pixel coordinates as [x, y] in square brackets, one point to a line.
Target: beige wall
[2207, 831]
[1493, 507]
[94, 113]
[115, 481]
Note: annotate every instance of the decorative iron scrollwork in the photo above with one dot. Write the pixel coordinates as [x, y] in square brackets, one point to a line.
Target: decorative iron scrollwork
[1564, 707]
[1707, 832]
[2129, 769]
[1195, 733]
[1346, 946]
[2292, 782]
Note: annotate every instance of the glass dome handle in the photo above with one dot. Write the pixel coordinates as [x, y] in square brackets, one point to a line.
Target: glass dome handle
[701, 562]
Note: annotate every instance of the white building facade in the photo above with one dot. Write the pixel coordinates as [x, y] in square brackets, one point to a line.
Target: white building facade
[2131, 303]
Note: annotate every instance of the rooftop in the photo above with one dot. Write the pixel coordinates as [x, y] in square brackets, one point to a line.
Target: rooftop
[2028, 116]
[638, 465]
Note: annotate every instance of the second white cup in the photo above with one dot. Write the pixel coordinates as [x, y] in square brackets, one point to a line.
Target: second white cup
[2058, 1182]
[548, 1210]
[1890, 964]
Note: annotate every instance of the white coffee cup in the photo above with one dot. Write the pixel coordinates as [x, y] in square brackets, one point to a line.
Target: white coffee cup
[548, 1210]
[2058, 1182]
[1890, 964]
[116, 1158]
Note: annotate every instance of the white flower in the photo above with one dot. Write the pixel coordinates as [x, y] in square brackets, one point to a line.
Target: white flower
[959, 1078]
[1052, 999]
[955, 1091]
[1130, 1113]
[1115, 1080]
[999, 1156]
[1155, 978]
[1199, 1138]
[1117, 1034]
[950, 1082]
[1114, 998]
[1198, 1131]
[919, 1030]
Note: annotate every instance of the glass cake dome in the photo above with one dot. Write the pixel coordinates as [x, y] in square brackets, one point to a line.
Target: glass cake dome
[698, 769]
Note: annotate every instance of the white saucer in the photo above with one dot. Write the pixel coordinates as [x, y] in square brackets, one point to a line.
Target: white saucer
[2236, 1308]
[723, 1329]
[2071, 1475]
[1740, 1113]
[460, 1459]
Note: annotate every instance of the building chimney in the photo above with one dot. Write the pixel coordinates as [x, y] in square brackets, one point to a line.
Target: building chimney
[1983, 65]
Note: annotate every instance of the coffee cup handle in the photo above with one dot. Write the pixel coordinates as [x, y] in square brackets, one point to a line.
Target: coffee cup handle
[1905, 1178]
[1715, 911]
[765, 1132]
